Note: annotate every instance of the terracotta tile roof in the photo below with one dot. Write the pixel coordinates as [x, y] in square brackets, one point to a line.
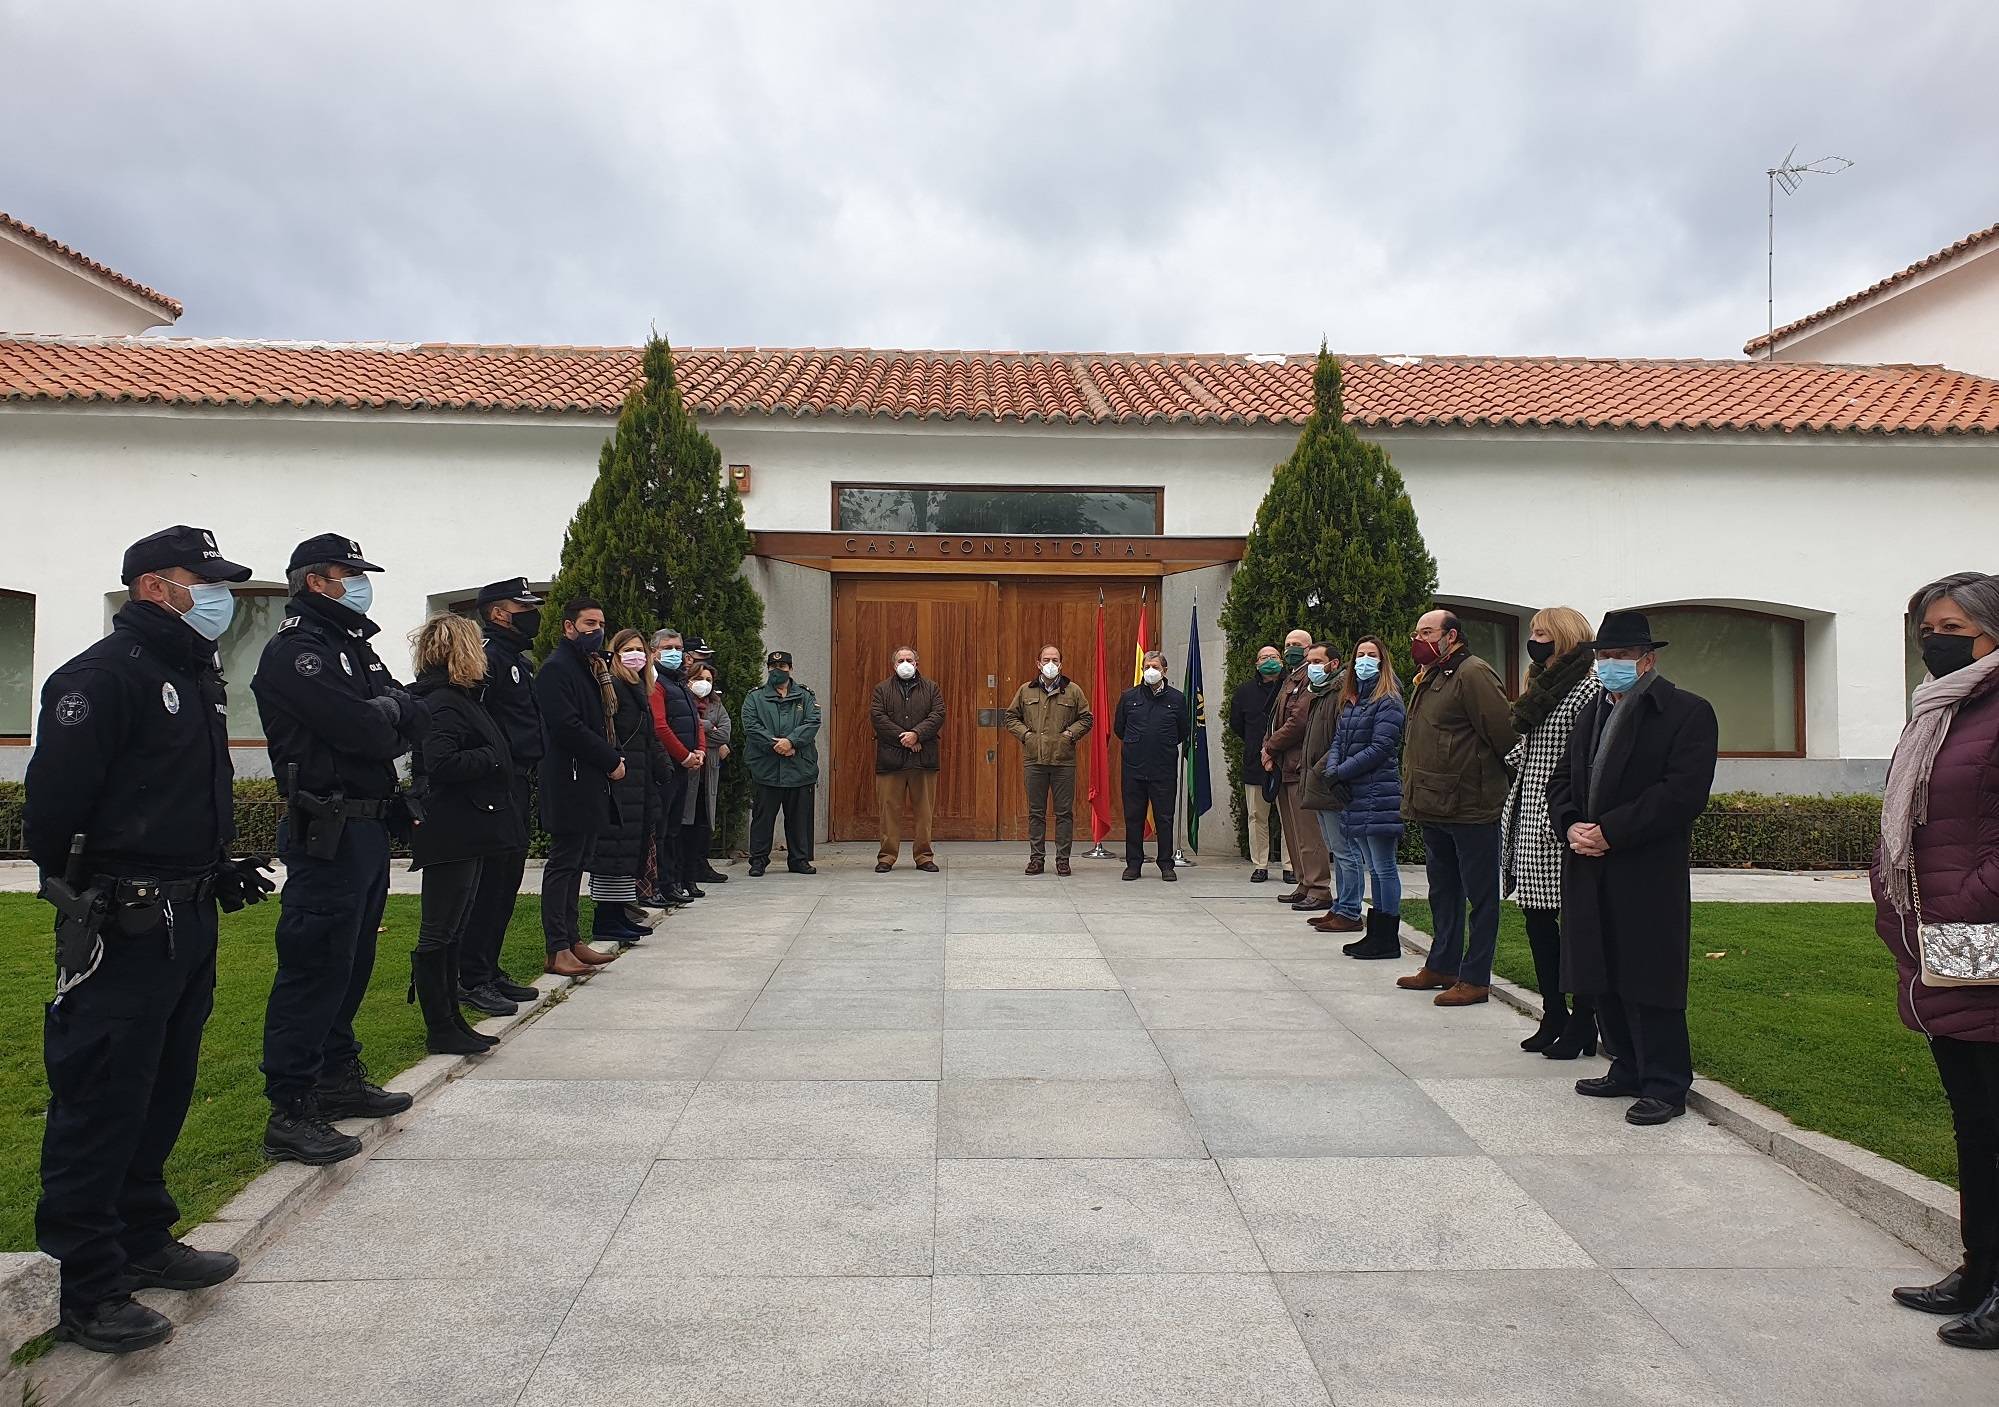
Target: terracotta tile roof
[1009, 387]
[62, 251]
[1949, 251]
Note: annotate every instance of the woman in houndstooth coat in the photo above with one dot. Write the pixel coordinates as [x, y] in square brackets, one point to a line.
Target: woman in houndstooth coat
[1560, 684]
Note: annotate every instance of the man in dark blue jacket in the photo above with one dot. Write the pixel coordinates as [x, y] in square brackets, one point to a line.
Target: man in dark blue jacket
[578, 764]
[1153, 723]
[335, 721]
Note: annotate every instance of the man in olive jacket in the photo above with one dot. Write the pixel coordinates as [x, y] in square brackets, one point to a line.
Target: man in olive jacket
[907, 712]
[1049, 714]
[1454, 784]
[781, 741]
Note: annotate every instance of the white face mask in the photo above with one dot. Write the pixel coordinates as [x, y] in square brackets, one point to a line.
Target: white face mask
[1050, 668]
[1152, 678]
[904, 669]
[701, 688]
[634, 660]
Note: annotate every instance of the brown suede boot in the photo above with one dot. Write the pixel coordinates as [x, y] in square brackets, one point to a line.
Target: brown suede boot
[566, 964]
[1424, 980]
[1463, 994]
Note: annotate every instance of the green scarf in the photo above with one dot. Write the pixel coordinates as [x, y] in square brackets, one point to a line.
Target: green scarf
[1548, 684]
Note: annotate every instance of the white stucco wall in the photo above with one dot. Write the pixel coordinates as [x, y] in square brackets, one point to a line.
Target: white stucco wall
[39, 294]
[1799, 527]
[1949, 316]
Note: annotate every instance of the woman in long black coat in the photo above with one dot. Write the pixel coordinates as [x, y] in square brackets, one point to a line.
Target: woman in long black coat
[620, 855]
[462, 772]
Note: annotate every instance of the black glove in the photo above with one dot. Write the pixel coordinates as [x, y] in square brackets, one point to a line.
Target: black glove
[240, 882]
[1342, 795]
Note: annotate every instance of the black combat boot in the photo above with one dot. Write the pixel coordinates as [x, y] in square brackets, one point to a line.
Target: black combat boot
[346, 1093]
[117, 1325]
[178, 1267]
[299, 1133]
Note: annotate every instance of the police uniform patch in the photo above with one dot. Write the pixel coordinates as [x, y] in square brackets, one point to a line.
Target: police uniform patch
[308, 664]
[71, 709]
[170, 696]
[347, 666]
[517, 674]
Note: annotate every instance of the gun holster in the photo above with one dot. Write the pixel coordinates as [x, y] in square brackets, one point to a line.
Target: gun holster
[80, 918]
[321, 819]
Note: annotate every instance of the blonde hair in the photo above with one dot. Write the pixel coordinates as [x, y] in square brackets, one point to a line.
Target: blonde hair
[1569, 626]
[618, 643]
[450, 643]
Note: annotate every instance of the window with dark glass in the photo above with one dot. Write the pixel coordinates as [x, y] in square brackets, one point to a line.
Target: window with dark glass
[17, 663]
[259, 612]
[1750, 666]
[893, 508]
[1494, 638]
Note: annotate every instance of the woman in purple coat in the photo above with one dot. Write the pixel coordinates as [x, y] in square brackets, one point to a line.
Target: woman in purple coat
[1938, 867]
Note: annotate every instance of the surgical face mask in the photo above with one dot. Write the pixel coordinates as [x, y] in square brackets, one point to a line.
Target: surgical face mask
[1317, 674]
[1050, 668]
[1366, 666]
[358, 593]
[213, 607]
[1294, 655]
[1270, 669]
[1152, 678]
[701, 688]
[527, 623]
[1617, 676]
[1946, 654]
[634, 660]
[904, 669]
[671, 658]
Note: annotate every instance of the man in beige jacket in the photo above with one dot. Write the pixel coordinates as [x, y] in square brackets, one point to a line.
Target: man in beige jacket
[1284, 754]
[1049, 714]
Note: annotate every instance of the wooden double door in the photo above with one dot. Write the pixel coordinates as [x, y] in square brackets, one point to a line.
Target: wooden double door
[979, 639]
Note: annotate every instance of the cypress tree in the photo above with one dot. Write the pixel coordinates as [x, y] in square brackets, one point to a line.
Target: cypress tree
[660, 541]
[1335, 550]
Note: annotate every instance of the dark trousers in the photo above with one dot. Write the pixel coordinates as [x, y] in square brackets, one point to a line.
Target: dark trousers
[1544, 940]
[561, 885]
[326, 954]
[120, 1053]
[1044, 782]
[448, 893]
[692, 843]
[1463, 866]
[1970, 1074]
[493, 904]
[796, 803]
[1138, 795]
[1648, 1047]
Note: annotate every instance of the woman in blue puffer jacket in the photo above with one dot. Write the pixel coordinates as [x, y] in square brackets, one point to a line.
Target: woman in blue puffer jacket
[1365, 762]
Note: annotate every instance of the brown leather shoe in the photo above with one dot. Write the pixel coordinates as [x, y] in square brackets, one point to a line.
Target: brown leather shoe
[927, 866]
[1424, 980]
[583, 952]
[1336, 923]
[1463, 994]
[1293, 897]
[1061, 864]
[1034, 864]
[566, 964]
[883, 867]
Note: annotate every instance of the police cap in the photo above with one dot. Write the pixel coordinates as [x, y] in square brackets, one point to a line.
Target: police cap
[514, 588]
[696, 647]
[332, 549]
[180, 546]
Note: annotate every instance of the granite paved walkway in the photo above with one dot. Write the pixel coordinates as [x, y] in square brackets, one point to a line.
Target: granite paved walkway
[974, 1138]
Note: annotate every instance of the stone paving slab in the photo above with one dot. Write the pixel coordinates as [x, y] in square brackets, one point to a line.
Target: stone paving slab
[983, 1138]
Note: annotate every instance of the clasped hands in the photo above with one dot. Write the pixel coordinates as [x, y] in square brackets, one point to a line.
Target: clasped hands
[1586, 838]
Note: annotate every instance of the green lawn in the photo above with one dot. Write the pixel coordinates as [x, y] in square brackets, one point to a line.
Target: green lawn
[1798, 1013]
[219, 1149]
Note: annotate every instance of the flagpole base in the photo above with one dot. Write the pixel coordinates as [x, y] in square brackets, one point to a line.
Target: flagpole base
[1098, 853]
[1180, 861]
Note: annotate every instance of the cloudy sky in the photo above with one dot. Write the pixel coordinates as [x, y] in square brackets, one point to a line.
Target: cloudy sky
[1487, 176]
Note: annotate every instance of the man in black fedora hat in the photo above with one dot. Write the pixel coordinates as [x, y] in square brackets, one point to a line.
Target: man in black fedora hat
[1640, 765]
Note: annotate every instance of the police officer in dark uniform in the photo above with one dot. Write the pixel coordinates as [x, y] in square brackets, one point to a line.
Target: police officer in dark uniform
[510, 614]
[336, 721]
[129, 813]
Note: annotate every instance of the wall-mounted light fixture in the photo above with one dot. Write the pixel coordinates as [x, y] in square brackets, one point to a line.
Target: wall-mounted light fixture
[739, 475]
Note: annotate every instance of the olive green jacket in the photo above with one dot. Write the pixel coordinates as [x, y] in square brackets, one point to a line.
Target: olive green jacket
[1454, 751]
[1049, 725]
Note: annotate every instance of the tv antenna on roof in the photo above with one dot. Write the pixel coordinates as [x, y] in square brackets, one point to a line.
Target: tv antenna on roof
[1789, 173]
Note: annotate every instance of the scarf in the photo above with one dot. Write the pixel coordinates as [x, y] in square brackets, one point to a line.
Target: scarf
[600, 670]
[1906, 802]
[1548, 685]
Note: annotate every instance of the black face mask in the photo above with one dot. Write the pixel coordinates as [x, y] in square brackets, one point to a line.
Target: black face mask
[590, 644]
[1946, 654]
[1540, 651]
[527, 623]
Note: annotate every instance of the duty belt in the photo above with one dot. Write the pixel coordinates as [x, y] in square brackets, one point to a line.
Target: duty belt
[365, 810]
[121, 889]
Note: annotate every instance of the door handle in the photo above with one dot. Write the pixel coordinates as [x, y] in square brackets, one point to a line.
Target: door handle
[991, 754]
[989, 718]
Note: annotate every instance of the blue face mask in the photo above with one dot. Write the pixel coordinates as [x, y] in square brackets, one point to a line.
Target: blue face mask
[1366, 666]
[360, 594]
[214, 607]
[1317, 674]
[1617, 676]
[670, 659]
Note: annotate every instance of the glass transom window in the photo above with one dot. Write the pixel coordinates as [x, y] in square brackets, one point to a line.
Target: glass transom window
[1749, 666]
[899, 508]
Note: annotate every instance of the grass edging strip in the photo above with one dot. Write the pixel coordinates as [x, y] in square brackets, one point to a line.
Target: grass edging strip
[245, 1226]
[1915, 1210]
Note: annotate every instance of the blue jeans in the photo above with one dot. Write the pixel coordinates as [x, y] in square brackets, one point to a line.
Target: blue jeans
[1463, 864]
[1355, 858]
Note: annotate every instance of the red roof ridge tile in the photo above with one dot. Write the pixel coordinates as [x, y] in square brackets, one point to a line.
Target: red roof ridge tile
[50, 244]
[1874, 290]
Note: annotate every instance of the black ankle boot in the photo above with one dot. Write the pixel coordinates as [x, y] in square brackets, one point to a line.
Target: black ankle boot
[444, 1028]
[299, 1133]
[1959, 1292]
[1577, 1038]
[1978, 1329]
[345, 1092]
[1381, 939]
[1554, 1021]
